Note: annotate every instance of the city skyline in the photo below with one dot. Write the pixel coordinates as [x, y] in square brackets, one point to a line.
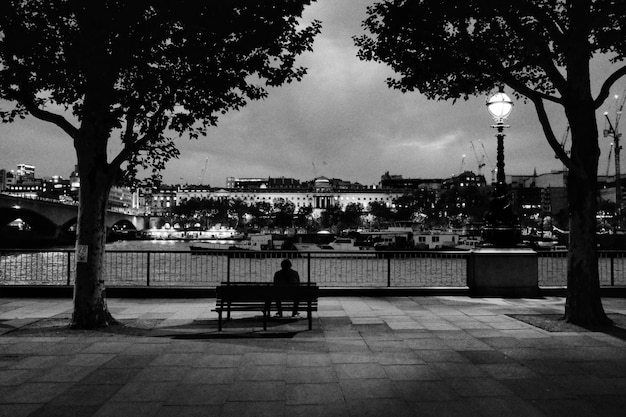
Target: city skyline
[396, 175]
[341, 121]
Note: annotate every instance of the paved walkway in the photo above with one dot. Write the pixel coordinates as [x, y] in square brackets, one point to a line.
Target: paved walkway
[396, 356]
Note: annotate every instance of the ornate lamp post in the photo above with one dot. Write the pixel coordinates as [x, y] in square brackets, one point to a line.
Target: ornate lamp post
[501, 223]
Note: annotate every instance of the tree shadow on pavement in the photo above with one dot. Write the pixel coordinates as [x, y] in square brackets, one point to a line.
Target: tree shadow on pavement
[235, 328]
[555, 323]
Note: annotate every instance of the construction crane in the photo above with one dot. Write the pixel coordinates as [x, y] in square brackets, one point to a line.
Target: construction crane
[485, 156]
[612, 130]
[608, 162]
[203, 173]
[462, 165]
[564, 141]
[479, 161]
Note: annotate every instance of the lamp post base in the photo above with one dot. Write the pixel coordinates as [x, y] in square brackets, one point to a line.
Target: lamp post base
[503, 272]
[501, 229]
[508, 236]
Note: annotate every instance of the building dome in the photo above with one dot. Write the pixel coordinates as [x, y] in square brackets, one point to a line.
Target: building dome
[322, 184]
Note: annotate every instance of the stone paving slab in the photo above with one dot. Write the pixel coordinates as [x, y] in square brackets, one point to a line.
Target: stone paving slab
[394, 356]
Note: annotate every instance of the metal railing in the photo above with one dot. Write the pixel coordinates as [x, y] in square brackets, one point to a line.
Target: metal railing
[552, 268]
[339, 269]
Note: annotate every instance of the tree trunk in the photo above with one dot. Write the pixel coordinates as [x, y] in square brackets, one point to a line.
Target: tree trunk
[583, 304]
[90, 307]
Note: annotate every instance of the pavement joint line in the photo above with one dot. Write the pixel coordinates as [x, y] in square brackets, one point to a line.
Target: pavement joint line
[359, 358]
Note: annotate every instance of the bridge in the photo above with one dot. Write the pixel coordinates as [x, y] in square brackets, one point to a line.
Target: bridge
[52, 219]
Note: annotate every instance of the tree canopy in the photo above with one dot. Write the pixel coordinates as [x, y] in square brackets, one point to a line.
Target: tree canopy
[457, 49]
[151, 69]
[542, 49]
[148, 69]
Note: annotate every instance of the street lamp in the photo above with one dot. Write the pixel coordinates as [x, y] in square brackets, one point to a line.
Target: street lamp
[501, 223]
[500, 106]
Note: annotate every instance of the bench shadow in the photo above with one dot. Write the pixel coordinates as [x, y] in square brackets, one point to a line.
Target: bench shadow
[234, 328]
[238, 335]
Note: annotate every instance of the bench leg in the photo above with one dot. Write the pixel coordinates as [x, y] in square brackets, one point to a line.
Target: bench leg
[265, 314]
[219, 321]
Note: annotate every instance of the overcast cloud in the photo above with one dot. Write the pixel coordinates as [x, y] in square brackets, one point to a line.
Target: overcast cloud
[341, 121]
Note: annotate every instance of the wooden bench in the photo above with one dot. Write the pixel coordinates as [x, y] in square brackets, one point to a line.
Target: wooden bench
[262, 296]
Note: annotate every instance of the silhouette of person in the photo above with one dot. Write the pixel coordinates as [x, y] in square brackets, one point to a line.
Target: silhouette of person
[285, 277]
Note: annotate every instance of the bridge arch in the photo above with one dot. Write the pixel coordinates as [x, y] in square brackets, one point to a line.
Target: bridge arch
[123, 224]
[51, 221]
[69, 225]
[37, 222]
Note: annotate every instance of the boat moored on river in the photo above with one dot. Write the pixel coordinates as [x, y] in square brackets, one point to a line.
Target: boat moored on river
[253, 243]
[339, 247]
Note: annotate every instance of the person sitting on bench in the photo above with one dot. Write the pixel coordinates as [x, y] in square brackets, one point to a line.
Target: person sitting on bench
[286, 276]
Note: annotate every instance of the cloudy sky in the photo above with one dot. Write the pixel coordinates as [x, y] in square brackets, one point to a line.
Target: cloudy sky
[341, 121]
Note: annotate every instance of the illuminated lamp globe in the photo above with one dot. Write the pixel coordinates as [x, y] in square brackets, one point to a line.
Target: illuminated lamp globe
[500, 106]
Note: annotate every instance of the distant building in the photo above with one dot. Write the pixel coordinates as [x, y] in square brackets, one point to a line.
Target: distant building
[284, 183]
[262, 183]
[606, 185]
[75, 179]
[163, 200]
[25, 171]
[464, 179]
[320, 194]
[544, 194]
[26, 188]
[187, 192]
[122, 198]
[7, 178]
[246, 183]
[58, 188]
[399, 183]
[554, 179]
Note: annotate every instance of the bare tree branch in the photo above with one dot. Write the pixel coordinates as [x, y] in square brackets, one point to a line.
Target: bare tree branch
[606, 87]
[509, 79]
[547, 19]
[47, 116]
[552, 140]
[545, 54]
[132, 147]
[129, 132]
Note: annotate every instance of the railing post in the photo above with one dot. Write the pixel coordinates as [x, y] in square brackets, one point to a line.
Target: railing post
[388, 269]
[69, 267]
[228, 268]
[148, 270]
[308, 268]
[612, 254]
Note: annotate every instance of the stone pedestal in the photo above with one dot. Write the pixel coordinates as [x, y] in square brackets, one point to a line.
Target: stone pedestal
[503, 272]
